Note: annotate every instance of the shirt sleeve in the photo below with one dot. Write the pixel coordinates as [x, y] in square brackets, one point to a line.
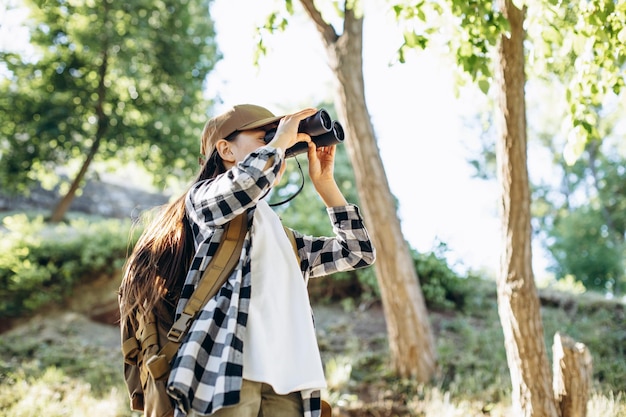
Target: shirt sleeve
[350, 248]
[214, 202]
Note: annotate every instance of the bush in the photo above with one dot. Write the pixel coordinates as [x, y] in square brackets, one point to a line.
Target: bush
[443, 288]
[40, 263]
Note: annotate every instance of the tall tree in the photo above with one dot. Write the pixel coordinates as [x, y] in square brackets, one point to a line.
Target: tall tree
[110, 79]
[410, 336]
[577, 207]
[518, 302]
[411, 339]
[481, 26]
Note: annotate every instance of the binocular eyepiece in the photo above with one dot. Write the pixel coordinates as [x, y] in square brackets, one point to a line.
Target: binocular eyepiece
[324, 131]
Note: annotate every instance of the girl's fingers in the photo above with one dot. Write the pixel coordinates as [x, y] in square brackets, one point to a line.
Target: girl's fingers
[303, 137]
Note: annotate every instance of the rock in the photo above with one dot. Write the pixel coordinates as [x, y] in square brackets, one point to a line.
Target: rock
[104, 198]
[97, 299]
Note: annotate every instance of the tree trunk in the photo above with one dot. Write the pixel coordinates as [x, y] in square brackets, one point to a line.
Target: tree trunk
[64, 204]
[58, 214]
[411, 340]
[572, 367]
[518, 301]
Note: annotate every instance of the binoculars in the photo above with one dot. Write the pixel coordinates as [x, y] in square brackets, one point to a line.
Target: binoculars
[324, 131]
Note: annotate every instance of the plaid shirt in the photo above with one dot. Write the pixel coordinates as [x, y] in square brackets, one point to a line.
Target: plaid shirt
[207, 371]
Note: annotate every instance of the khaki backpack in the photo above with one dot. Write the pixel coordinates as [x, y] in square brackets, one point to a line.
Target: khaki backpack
[149, 349]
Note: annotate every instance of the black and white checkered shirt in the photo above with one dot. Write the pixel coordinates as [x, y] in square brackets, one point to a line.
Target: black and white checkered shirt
[207, 371]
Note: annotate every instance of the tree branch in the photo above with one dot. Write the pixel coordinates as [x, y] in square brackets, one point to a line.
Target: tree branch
[326, 30]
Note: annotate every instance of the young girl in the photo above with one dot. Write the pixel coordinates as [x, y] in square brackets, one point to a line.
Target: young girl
[251, 350]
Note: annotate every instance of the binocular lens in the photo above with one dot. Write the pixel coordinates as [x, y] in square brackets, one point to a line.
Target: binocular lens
[324, 131]
[339, 133]
[316, 125]
[334, 137]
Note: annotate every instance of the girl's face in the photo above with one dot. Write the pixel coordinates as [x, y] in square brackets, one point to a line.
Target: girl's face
[248, 141]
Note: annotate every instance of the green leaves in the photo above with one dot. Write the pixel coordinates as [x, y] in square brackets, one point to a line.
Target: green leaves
[469, 30]
[126, 76]
[40, 264]
[584, 248]
[582, 44]
[413, 40]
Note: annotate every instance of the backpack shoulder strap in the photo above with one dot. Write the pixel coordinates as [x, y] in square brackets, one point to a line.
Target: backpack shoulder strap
[216, 273]
[214, 276]
[292, 239]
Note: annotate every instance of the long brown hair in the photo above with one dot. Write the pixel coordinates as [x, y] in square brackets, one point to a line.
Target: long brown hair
[155, 271]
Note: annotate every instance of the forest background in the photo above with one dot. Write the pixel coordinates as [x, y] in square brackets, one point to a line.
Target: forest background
[577, 207]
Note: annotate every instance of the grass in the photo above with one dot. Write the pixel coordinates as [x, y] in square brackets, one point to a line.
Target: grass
[64, 365]
[473, 377]
[52, 392]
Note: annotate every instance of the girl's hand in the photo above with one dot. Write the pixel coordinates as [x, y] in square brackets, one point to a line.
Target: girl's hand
[321, 163]
[321, 172]
[287, 132]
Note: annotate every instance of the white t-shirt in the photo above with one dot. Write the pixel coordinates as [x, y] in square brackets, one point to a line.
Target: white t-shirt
[280, 347]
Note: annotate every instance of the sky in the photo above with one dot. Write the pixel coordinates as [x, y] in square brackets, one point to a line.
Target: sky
[421, 126]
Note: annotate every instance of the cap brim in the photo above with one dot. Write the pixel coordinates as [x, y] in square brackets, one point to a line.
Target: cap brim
[261, 123]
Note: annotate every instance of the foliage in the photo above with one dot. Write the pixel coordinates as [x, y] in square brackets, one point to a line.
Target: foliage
[123, 79]
[466, 369]
[579, 208]
[583, 248]
[40, 263]
[36, 256]
[473, 28]
[594, 182]
[443, 288]
[582, 44]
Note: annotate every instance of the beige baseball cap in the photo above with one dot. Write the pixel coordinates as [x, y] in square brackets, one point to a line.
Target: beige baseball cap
[239, 117]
